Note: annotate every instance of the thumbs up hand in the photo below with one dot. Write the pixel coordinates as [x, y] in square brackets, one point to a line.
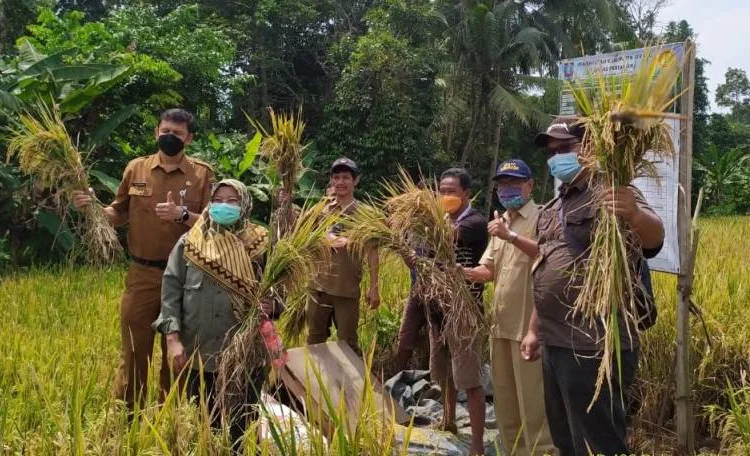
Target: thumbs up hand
[498, 227]
[168, 211]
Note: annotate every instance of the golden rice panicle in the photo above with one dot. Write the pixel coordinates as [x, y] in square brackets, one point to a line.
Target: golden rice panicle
[298, 254]
[283, 149]
[45, 151]
[283, 146]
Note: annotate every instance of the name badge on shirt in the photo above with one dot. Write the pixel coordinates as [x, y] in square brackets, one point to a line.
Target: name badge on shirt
[138, 184]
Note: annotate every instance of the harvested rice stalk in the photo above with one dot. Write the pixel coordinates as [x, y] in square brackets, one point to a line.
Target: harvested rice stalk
[412, 217]
[288, 266]
[626, 135]
[284, 149]
[45, 151]
[295, 258]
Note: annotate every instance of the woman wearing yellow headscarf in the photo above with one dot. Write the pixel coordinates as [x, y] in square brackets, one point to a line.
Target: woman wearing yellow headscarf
[208, 291]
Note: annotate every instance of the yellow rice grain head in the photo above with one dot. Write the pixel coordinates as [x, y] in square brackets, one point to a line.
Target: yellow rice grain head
[624, 116]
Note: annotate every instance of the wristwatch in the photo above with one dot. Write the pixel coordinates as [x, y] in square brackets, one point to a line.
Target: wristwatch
[512, 236]
[185, 215]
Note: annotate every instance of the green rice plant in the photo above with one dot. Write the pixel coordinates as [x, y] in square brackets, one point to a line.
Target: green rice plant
[732, 423]
[625, 136]
[45, 151]
[60, 337]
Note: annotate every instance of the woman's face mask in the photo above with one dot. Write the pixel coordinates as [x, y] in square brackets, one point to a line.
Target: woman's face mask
[224, 214]
[564, 166]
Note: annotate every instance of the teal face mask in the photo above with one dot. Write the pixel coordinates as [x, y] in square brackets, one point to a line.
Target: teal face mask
[511, 197]
[224, 214]
[564, 166]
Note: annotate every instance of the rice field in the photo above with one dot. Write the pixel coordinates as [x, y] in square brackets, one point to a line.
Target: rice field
[59, 342]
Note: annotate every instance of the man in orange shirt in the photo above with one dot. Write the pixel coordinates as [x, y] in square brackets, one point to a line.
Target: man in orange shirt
[159, 198]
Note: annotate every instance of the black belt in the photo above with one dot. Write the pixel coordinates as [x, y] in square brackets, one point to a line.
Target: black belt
[159, 264]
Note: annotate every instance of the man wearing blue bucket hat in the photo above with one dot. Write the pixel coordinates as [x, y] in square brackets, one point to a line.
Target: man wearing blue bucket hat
[517, 383]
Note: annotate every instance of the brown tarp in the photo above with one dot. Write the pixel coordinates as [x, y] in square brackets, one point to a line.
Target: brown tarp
[343, 374]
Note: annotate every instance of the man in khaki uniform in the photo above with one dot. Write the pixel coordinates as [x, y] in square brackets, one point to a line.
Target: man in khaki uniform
[335, 290]
[159, 198]
[517, 384]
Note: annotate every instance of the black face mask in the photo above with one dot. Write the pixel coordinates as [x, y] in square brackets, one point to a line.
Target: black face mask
[171, 144]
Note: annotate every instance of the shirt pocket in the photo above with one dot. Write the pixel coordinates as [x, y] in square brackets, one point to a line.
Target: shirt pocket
[544, 224]
[141, 197]
[578, 229]
[192, 299]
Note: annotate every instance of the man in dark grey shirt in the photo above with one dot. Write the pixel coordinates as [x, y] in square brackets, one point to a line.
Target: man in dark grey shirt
[571, 353]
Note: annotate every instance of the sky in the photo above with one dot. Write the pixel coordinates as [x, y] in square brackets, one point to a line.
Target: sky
[723, 34]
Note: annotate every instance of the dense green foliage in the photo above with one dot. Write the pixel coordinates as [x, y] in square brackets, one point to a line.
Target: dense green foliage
[417, 83]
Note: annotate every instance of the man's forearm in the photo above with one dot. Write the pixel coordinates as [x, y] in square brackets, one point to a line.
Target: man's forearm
[649, 228]
[192, 218]
[534, 321]
[374, 267]
[528, 246]
[114, 217]
[481, 274]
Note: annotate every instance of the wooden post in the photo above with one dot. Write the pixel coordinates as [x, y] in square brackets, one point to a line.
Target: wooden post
[683, 371]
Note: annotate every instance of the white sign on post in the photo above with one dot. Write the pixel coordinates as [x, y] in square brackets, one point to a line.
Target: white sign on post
[661, 193]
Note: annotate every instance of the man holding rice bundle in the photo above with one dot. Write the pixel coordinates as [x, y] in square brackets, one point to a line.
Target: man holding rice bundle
[571, 346]
[160, 198]
[334, 294]
[517, 385]
[459, 367]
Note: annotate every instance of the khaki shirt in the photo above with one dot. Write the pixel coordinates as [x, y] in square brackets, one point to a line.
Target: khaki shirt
[145, 183]
[342, 276]
[513, 300]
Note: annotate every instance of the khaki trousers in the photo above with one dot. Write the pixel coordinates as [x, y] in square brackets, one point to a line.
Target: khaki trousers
[519, 400]
[324, 309]
[140, 306]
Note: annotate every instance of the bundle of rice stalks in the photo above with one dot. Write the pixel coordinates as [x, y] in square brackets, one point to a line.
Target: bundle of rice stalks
[626, 135]
[288, 266]
[284, 150]
[46, 152]
[296, 257]
[412, 218]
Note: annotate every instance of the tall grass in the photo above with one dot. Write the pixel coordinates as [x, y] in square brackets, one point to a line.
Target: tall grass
[59, 347]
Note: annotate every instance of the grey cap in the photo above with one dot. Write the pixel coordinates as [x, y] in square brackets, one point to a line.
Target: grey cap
[344, 163]
[561, 128]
